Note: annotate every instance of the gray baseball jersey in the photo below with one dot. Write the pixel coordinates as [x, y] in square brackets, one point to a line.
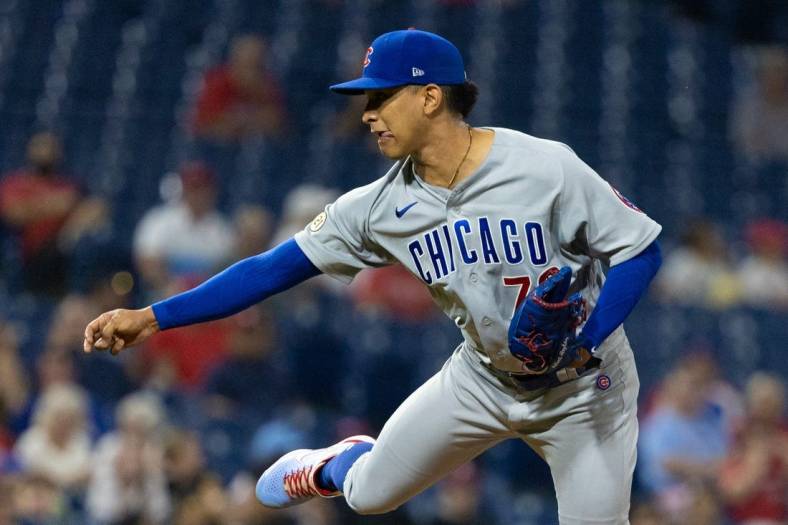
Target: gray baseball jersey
[531, 206]
[480, 247]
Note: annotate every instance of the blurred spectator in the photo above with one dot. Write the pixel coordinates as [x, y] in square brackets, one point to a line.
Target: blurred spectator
[253, 228]
[49, 213]
[291, 428]
[186, 239]
[717, 391]
[312, 316]
[240, 98]
[129, 483]
[101, 374]
[36, 500]
[52, 368]
[313, 328]
[698, 273]
[197, 494]
[300, 207]
[323, 512]
[6, 501]
[177, 245]
[703, 509]
[754, 477]
[646, 513]
[249, 381]
[14, 388]
[393, 292]
[7, 461]
[682, 442]
[245, 509]
[55, 367]
[180, 361]
[760, 118]
[67, 326]
[58, 444]
[764, 272]
[458, 498]
[206, 507]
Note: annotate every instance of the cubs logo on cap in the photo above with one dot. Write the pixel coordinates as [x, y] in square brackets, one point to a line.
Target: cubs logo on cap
[367, 60]
[407, 57]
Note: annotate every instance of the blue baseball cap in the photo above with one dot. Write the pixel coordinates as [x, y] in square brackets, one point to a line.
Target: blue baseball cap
[407, 57]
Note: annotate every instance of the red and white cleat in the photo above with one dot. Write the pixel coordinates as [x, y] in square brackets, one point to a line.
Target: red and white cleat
[291, 480]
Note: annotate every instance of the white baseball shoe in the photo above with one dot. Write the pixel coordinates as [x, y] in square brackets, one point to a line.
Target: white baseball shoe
[291, 480]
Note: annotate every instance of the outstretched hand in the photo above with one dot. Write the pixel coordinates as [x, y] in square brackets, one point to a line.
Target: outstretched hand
[119, 329]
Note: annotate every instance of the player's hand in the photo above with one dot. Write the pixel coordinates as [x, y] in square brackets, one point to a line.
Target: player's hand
[119, 329]
[583, 356]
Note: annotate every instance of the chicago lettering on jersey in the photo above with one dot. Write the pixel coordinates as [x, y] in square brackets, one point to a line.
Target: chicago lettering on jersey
[437, 253]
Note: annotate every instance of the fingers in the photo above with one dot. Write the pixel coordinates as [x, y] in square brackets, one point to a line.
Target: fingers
[583, 356]
[117, 345]
[100, 333]
[90, 331]
[108, 329]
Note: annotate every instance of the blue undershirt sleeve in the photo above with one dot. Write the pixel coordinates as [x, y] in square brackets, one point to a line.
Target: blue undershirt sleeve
[243, 284]
[625, 285]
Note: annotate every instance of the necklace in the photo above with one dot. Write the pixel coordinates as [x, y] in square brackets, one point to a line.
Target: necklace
[470, 141]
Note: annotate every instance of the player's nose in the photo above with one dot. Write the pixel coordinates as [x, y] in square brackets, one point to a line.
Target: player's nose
[369, 116]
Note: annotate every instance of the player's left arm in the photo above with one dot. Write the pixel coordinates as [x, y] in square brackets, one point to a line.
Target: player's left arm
[599, 222]
[625, 284]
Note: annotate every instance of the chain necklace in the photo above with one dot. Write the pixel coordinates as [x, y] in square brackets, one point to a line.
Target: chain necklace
[470, 141]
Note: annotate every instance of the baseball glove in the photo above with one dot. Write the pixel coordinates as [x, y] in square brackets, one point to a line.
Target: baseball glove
[542, 331]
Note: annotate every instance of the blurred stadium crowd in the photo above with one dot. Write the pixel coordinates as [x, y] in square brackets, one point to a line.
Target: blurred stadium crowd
[144, 145]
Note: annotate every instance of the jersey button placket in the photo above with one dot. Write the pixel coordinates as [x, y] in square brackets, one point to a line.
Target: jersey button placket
[473, 278]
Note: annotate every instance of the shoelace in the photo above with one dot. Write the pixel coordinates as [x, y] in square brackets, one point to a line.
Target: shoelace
[297, 483]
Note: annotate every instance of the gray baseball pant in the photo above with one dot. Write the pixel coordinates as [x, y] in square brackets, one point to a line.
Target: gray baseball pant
[586, 434]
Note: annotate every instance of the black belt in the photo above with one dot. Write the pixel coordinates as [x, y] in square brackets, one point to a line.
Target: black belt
[540, 381]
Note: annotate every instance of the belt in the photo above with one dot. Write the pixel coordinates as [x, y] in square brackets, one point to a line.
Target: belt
[540, 381]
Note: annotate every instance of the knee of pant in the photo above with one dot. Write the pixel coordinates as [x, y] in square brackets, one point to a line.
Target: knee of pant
[371, 503]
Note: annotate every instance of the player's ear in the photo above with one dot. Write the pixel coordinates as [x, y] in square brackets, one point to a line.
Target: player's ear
[433, 98]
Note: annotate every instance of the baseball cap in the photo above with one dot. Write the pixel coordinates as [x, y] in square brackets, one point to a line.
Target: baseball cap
[407, 57]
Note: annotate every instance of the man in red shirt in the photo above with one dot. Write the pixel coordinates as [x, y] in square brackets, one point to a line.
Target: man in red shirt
[754, 478]
[240, 98]
[36, 202]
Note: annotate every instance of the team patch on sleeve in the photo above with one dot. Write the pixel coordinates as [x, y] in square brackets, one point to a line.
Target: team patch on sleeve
[627, 202]
[317, 222]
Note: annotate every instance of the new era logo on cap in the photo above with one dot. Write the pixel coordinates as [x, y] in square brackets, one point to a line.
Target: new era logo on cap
[407, 57]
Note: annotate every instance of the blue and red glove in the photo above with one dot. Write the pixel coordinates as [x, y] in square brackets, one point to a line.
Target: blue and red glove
[542, 331]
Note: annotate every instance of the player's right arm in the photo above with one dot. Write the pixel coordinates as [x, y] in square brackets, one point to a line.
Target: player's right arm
[243, 284]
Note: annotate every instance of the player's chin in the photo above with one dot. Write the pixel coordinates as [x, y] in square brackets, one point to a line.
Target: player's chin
[391, 150]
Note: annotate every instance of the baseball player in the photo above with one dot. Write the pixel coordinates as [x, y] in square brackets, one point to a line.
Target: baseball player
[536, 259]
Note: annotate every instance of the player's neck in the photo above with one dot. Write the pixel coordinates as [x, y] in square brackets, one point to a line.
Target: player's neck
[443, 160]
[436, 163]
